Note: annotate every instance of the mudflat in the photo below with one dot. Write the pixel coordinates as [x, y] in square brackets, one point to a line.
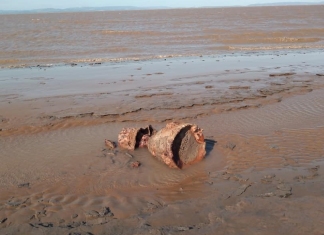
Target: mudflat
[261, 111]
[262, 117]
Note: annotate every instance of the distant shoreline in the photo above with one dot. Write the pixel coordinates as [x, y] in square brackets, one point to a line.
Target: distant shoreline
[134, 8]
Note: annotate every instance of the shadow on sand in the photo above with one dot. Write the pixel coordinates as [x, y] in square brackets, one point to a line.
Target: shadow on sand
[209, 146]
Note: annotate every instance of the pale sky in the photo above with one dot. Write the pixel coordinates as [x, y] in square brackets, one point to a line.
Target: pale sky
[36, 4]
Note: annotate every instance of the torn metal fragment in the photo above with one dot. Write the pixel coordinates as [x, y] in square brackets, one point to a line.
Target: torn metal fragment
[132, 138]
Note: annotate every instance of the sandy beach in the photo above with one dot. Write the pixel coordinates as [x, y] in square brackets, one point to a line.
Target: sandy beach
[262, 114]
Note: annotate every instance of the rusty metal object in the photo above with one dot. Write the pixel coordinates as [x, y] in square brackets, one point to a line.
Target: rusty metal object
[178, 145]
[132, 138]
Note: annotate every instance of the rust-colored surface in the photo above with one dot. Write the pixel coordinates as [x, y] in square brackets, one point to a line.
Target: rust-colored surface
[132, 138]
[178, 145]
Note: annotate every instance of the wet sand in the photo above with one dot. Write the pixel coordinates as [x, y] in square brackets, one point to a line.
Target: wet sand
[262, 116]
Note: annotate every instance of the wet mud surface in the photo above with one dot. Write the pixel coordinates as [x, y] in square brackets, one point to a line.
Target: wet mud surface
[264, 131]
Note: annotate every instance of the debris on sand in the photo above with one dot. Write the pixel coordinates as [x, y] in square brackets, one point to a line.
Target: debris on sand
[132, 138]
[3, 220]
[110, 144]
[23, 185]
[177, 144]
[135, 164]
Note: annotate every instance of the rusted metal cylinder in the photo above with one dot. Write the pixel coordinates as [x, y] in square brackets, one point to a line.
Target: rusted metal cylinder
[178, 145]
[132, 138]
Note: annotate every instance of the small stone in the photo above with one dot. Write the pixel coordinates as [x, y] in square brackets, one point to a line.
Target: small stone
[135, 164]
[46, 225]
[271, 194]
[184, 228]
[110, 144]
[3, 220]
[23, 185]
[270, 176]
[92, 214]
[106, 212]
[74, 216]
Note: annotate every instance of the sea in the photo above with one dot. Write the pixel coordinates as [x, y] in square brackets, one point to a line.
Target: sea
[105, 36]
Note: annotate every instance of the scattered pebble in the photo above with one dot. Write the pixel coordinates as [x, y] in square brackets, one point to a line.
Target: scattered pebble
[271, 194]
[23, 185]
[105, 211]
[135, 164]
[92, 214]
[184, 228]
[110, 144]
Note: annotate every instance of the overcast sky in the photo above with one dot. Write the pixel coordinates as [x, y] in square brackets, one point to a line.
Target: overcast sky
[36, 4]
